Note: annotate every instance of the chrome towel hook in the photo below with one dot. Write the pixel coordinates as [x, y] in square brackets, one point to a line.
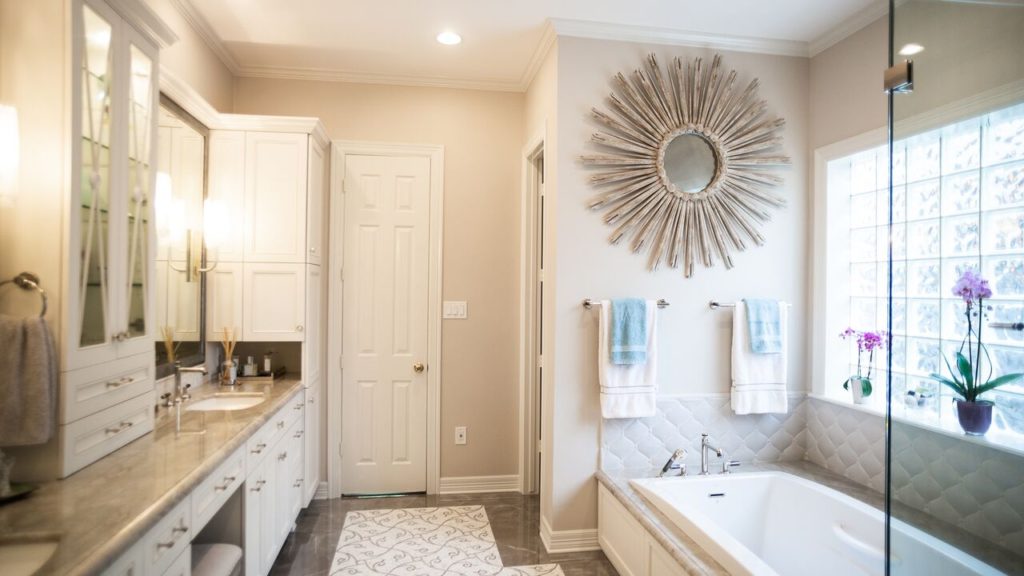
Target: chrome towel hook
[29, 281]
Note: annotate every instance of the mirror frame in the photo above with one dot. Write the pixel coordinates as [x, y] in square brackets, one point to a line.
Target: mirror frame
[645, 114]
[166, 369]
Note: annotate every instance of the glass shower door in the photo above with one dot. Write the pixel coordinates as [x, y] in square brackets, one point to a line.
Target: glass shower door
[955, 493]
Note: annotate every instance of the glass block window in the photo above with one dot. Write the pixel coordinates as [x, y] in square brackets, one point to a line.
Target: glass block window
[958, 203]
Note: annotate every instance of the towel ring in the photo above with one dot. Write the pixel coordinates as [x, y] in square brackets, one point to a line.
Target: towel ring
[29, 281]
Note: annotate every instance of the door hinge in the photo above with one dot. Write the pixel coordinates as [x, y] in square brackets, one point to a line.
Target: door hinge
[899, 78]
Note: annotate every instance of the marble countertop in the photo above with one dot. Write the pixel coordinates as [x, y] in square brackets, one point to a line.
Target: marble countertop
[697, 562]
[101, 510]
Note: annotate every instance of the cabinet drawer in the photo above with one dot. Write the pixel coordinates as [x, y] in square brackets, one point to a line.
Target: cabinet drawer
[95, 436]
[182, 565]
[165, 542]
[210, 495]
[91, 390]
[129, 564]
[259, 445]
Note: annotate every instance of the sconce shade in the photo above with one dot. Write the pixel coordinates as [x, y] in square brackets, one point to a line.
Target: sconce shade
[9, 150]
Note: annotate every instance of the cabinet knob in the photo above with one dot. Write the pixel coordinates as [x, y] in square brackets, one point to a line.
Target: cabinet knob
[298, 328]
[313, 249]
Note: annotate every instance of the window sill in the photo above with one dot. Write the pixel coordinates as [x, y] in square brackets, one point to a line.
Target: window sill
[995, 439]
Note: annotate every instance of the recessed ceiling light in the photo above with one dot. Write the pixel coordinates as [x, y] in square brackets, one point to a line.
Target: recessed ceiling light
[449, 38]
[911, 49]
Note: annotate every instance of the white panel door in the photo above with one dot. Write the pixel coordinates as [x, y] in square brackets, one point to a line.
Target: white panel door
[273, 302]
[384, 398]
[275, 197]
[224, 301]
[226, 187]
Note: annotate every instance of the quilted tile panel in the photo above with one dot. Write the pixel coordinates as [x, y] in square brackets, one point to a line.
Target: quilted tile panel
[648, 442]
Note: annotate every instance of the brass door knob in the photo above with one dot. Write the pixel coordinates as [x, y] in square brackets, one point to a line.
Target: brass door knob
[418, 367]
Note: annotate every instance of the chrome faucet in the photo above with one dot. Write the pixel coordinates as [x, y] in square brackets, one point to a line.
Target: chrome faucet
[676, 457]
[706, 447]
[181, 395]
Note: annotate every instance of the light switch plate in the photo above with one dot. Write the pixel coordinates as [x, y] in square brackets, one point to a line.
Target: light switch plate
[460, 435]
[455, 310]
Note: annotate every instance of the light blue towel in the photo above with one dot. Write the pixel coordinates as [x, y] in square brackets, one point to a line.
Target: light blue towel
[763, 322]
[629, 331]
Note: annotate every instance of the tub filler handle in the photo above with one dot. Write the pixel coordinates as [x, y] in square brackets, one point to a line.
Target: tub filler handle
[857, 544]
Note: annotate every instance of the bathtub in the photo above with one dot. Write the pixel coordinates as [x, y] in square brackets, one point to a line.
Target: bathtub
[767, 523]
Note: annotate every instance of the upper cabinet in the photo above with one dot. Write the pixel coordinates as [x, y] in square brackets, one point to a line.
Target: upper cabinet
[275, 197]
[111, 241]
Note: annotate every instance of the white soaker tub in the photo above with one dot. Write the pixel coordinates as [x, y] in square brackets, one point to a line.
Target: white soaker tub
[773, 523]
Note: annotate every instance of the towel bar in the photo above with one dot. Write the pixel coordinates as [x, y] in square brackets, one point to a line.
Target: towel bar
[29, 281]
[715, 304]
[588, 303]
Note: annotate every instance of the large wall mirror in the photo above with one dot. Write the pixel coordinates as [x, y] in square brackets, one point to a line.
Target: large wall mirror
[180, 256]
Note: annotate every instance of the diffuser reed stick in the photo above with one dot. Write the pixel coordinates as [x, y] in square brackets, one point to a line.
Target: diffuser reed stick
[167, 332]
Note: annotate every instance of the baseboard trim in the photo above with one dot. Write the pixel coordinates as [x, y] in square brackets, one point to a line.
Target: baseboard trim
[562, 541]
[321, 492]
[478, 484]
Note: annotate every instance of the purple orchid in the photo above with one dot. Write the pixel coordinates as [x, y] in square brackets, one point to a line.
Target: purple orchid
[972, 288]
[867, 341]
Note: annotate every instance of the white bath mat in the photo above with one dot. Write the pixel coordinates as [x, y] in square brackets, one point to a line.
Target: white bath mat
[452, 541]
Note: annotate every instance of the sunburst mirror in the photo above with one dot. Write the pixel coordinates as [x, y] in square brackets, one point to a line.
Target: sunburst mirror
[689, 170]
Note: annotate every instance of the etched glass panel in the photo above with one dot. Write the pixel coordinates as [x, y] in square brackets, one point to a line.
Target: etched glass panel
[140, 137]
[923, 156]
[863, 245]
[1004, 186]
[924, 318]
[923, 200]
[960, 236]
[960, 194]
[1006, 275]
[94, 193]
[923, 279]
[923, 239]
[961, 147]
[923, 356]
[1004, 231]
[863, 210]
[1004, 135]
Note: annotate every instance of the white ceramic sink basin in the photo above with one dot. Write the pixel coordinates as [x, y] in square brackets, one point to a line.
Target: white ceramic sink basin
[227, 401]
[24, 558]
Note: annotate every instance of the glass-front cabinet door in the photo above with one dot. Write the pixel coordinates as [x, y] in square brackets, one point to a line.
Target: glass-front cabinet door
[109, 312]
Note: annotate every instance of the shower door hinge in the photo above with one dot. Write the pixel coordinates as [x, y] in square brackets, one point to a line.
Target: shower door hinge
[899, 78]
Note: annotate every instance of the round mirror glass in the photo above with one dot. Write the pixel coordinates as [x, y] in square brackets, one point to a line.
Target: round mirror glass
[689, 163]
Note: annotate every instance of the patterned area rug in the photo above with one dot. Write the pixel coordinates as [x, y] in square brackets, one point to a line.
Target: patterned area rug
[452, 541]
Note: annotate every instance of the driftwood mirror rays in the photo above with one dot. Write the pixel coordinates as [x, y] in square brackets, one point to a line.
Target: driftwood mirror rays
[689, 173]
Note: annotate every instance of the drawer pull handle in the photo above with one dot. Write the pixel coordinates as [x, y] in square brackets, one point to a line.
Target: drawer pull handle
[230, 479]
[298, 434]
[259, 448]
[165, 545]
[179, 529]
[298, 406]
[121, 382]
[312, 400]
[280, 425]
[222, 487]
[282, 456]
[298, 483]
[120, 428]
[259, 485]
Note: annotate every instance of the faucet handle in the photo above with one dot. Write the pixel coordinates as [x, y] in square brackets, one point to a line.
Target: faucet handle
[728, 465]
[184, 392]
[167, 400]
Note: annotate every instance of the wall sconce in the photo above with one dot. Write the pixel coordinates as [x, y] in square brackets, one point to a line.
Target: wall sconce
[171, 228]
[9, 153]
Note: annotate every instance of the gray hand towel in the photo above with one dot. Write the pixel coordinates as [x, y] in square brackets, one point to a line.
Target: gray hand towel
[28, 381]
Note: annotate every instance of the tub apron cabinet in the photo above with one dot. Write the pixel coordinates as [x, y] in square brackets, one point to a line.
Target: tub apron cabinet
[85, 223]
[627, 544]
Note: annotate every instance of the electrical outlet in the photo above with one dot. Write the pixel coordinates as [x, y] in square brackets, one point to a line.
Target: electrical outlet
[460, 435]
[453, 310]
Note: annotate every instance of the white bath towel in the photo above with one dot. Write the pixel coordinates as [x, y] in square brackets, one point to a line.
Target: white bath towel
[758, 380]
[28, 381]
[627, 390]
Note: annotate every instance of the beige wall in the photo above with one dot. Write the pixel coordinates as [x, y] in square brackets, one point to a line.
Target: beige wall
[192, 61]
[481, 132]
[695, 341]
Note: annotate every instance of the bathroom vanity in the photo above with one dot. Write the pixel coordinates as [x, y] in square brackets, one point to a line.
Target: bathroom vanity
[138, 511]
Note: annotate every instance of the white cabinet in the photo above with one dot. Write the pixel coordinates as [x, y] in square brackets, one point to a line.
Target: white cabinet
[311, 454]
[273, 302]
[275, 197]
[224, 300]
[109, 312]
[314, 327]
[226, 186]
[316, 214]
[627, 544]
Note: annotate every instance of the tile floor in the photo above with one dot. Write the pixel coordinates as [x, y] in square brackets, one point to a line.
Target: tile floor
[514, 519]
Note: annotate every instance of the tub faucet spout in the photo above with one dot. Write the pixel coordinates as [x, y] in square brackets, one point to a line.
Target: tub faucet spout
[706, 447]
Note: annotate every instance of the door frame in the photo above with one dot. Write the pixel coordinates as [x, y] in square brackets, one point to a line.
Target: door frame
[529, 416]
[435, 153]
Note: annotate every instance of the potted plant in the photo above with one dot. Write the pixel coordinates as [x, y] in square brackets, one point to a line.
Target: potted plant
[969, 380]
[860, 383]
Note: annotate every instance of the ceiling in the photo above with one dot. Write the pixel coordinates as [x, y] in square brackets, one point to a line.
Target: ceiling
[393, 41]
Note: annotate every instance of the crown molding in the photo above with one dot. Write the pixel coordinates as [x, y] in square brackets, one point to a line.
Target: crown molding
[848, 27]
[186, 96]
[325, 75]
[540, 53]
[655, 35]
[144, 19]
[205, 31]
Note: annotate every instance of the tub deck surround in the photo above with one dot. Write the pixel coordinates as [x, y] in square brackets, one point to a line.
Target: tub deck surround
[100, 511]
[695, 560]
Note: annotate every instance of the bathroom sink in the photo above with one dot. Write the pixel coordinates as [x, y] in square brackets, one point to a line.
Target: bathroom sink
[25, 558]
[227, 401]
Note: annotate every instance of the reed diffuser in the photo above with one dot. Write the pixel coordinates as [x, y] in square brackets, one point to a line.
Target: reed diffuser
[229, 372]
[167, 333]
